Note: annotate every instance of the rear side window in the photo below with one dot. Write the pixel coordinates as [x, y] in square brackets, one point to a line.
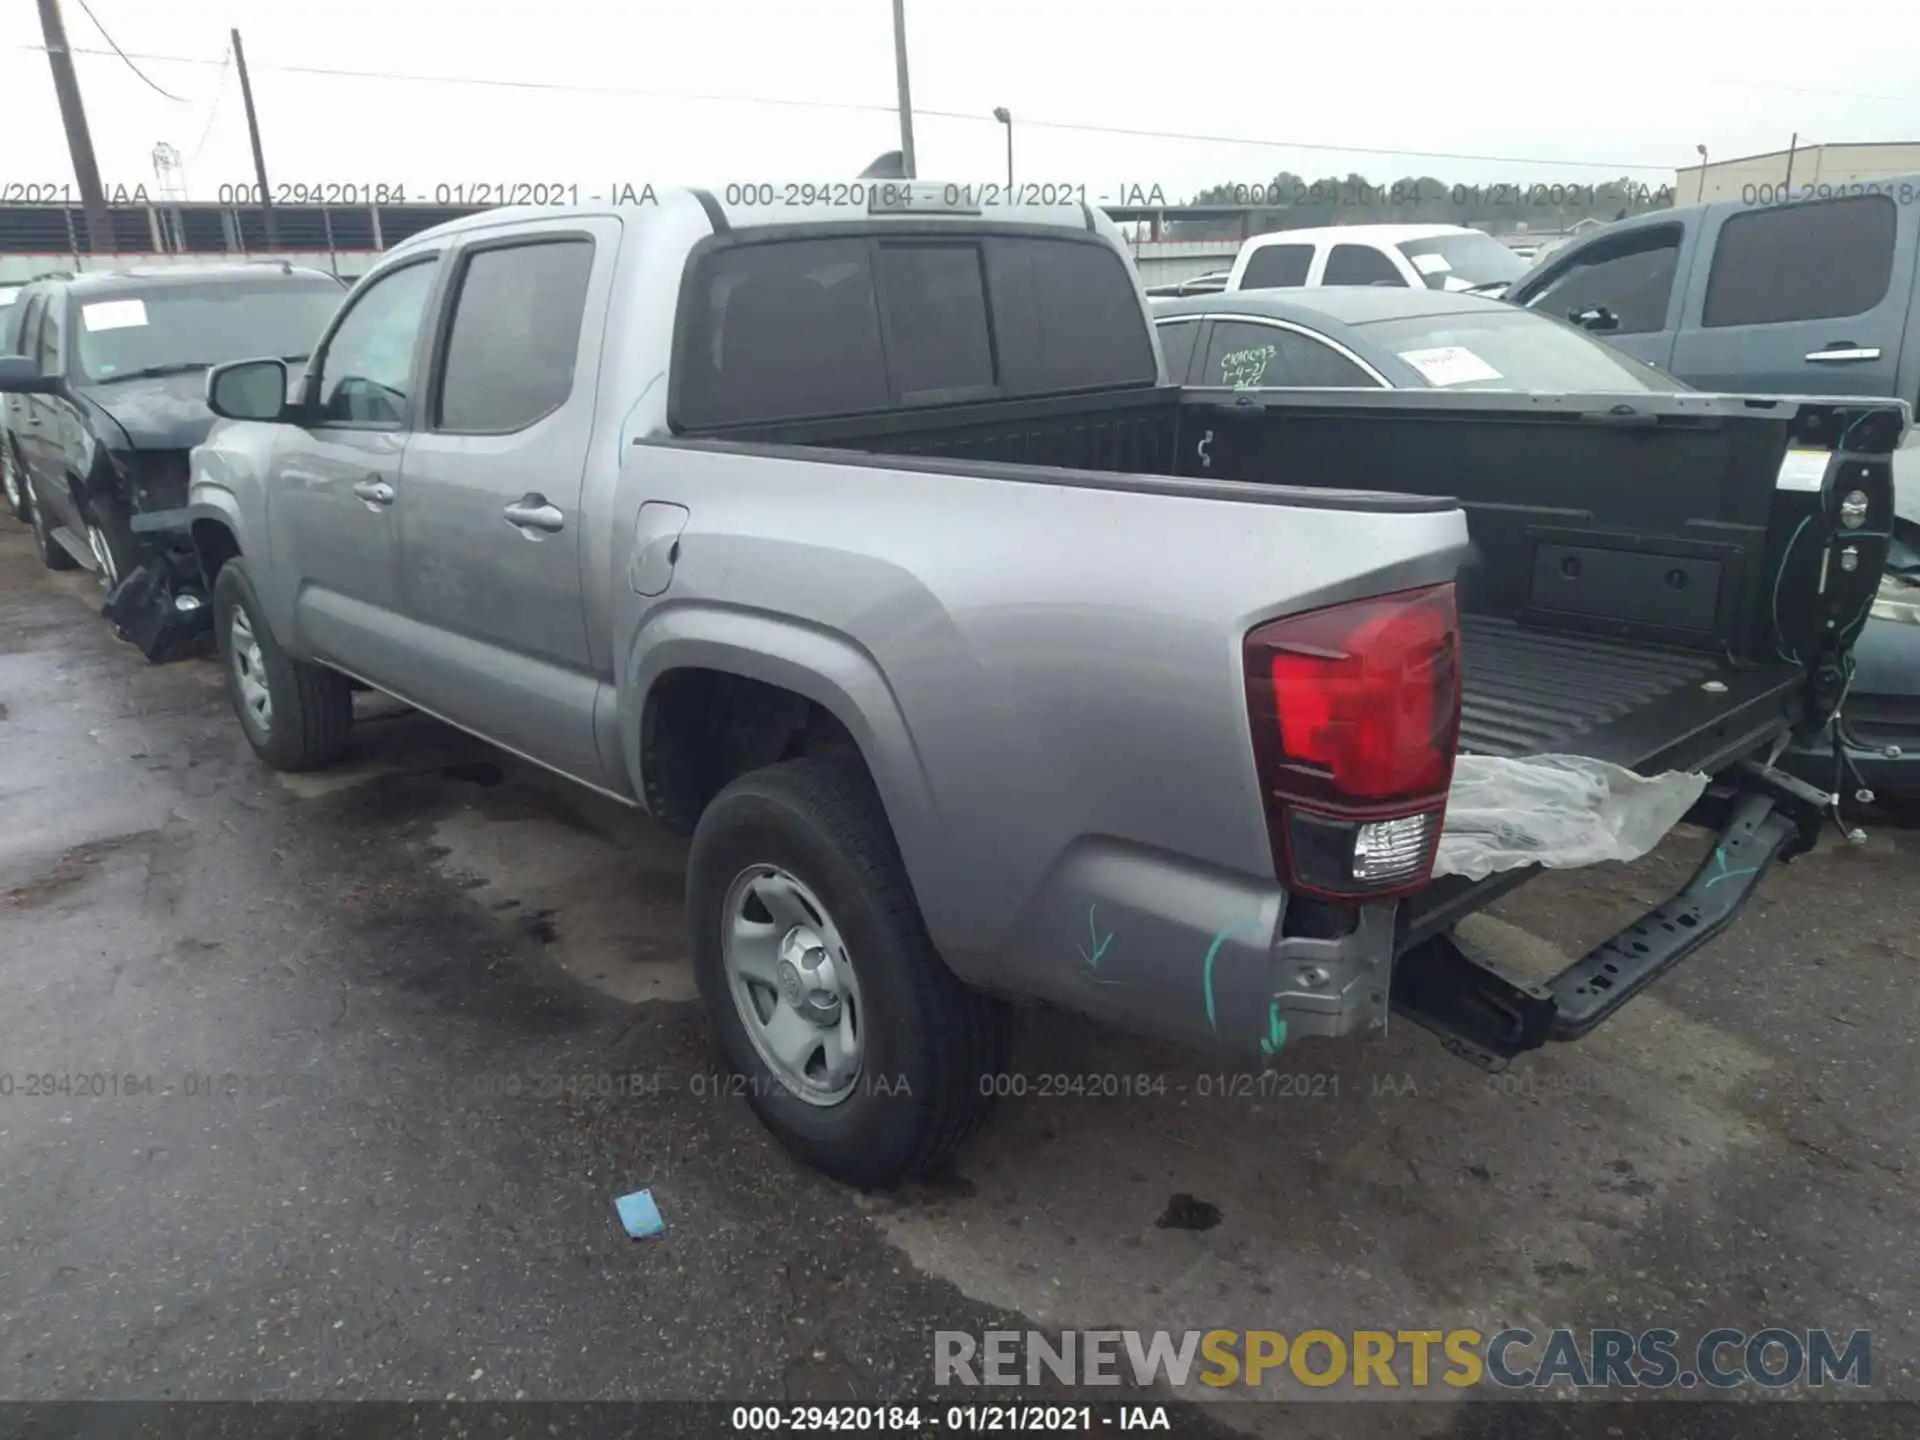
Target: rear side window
[1177, 338]
[1360, 265]
[1802, 262]
[514, 335]
[1066, 315]
[1246, 355]
[936, 298]
[1273, 267]
[792, 329]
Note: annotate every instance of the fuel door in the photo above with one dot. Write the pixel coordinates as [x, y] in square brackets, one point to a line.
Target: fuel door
[656, 546]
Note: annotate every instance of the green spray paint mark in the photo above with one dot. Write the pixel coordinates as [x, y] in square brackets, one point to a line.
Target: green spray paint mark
[1276, 1029]
[1720, 859]
[1207, 974]
[1099, 945]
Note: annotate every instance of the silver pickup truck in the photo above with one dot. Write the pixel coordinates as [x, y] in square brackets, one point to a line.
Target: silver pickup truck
[867, 544]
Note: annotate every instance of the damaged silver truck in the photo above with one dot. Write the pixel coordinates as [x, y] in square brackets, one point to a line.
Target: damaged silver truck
[866, 544]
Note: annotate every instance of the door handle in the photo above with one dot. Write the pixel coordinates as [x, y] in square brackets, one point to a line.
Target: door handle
[1840, 354]
[378, 494]
[532, 512]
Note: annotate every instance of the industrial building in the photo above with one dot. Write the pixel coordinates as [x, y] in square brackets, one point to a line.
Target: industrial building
[1780, 174]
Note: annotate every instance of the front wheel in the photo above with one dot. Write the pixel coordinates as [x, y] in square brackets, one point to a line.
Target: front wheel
[295, 715]
[110, 537]
[853, 1041]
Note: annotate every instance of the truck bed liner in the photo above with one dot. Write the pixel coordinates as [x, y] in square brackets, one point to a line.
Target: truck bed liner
[1533, 692]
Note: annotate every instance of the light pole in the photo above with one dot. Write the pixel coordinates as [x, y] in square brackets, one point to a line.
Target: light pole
[1701, 193]
[900, 73]
[1005, 117]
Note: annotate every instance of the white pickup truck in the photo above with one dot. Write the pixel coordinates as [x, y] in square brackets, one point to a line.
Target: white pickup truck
[866, 543]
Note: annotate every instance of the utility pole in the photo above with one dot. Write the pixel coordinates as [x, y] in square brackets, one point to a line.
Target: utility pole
[900, 69]
[93, 199]
[253, 133]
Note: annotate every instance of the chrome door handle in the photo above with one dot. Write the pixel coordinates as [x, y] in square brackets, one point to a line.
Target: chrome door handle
[377, 493]
[532, 512]
[1851, 352]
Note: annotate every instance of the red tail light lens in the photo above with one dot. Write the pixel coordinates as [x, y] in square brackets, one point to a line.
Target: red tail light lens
[1356, 717]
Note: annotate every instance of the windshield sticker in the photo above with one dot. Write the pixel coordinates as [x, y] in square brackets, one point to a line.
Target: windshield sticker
[1431, 264]
[113, 314]
[1450, 365]
[1455, 283]
[1243, 369]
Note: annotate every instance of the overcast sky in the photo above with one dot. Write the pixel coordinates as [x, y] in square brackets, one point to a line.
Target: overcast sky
[648, 92]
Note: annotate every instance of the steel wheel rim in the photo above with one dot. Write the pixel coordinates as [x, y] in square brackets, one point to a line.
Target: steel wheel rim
[793, 985]
[103, 556]
[249, 669]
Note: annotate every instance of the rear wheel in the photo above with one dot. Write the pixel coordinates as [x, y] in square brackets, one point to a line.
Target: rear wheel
[53, 554]
[858, 1048]
[295, 715]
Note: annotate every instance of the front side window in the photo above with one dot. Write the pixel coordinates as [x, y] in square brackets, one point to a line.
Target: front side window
[180, 327]
[515, 335]
[1246, 355]
[1630, 276]
[1360, 265]
[364, 375]
[1818, 261]
[1273, 267]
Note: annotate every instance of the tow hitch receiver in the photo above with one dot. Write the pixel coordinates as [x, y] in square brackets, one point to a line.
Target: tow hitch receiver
[1487, 1017]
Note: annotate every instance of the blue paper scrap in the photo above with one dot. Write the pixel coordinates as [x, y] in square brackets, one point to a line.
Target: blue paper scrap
[639, 1214]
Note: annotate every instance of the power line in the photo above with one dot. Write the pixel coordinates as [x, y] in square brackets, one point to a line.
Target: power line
[122, 54]
[561, 87]
[219, 89]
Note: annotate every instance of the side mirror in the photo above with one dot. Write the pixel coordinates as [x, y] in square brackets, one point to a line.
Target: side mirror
[1594, 317]
[20, 375]
[248, 390]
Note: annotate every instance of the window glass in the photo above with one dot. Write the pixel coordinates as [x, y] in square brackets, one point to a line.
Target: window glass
[1360, 265]
[1246, 355]
[1510, 350]
[1274, 266]
[1816, 261]
[1066, 314]
[1177, 339]
[1631, 276]
[12, 307]
[369, 360]
[937, 338]
[515, 335]
[23, 340]
[179, 326]
[1461, 262]
[780, 331]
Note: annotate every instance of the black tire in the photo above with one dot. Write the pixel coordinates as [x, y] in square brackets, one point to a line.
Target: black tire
[107, 517]
[931, 1044]
[18, 505]
[53, 554]
[311, 706]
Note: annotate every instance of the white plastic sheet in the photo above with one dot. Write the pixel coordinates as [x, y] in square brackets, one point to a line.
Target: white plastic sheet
[1561, 811]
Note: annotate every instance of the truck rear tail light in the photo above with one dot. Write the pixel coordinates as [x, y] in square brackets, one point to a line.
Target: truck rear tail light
[1356, 717]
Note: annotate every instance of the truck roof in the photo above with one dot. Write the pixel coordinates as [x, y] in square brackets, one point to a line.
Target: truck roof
[148, 277]
[1382, 234]
[764, 205]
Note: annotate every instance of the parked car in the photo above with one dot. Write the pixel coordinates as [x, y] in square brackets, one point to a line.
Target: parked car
[871, 548]
[1810, 297]
[1434, 257]
[105, 391]
[1419, 339]
[15, 488]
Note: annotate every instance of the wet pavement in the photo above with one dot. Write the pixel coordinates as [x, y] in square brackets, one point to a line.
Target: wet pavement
[323, 1087]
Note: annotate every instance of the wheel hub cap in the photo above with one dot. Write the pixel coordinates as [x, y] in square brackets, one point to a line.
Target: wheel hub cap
[793, 985]
[250, 670]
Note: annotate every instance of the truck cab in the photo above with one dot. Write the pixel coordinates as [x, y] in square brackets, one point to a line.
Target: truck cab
[1438, 257]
